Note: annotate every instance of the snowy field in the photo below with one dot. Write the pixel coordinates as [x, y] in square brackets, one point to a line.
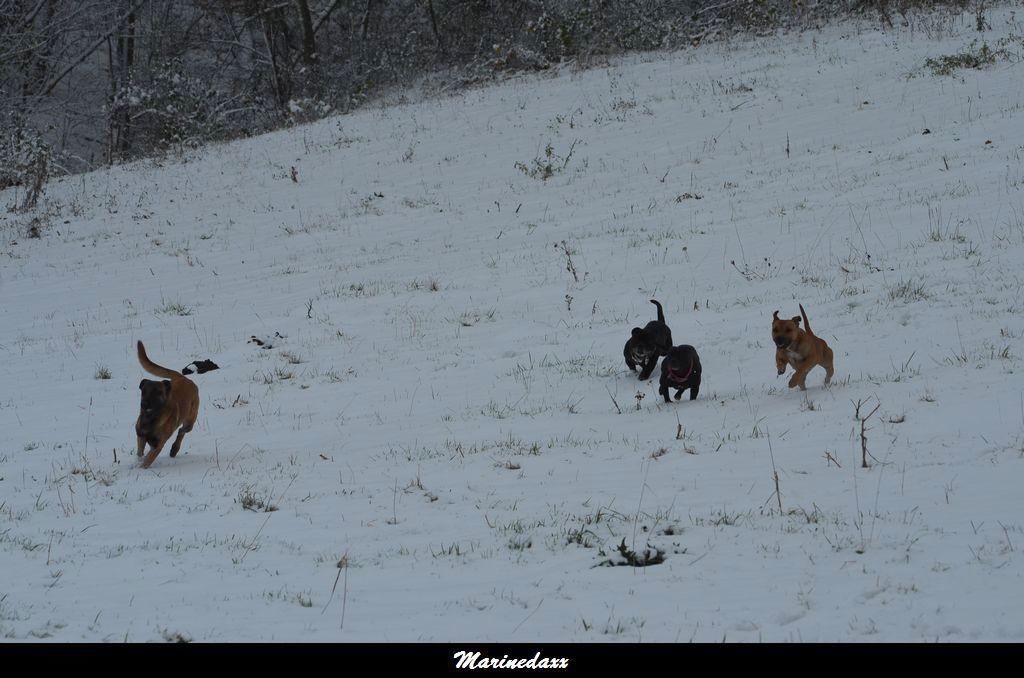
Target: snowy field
[446, 443]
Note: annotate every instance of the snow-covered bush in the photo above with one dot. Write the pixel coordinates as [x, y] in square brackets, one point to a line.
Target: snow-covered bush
[307, 109]
[173, 109]
[25, 159]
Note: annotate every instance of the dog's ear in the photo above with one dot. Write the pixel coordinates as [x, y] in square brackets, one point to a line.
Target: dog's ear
[775, 316]
[796, 319]
[142, 384]
[637, 333]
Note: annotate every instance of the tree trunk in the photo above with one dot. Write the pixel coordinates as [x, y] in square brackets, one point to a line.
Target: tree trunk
[433, 25]
[366, 18]
[123, 80]
[275, 36]
[309, 56]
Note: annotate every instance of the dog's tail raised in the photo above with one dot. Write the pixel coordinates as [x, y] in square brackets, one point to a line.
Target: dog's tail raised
[661, 314]
[807, 323]
[153, 368]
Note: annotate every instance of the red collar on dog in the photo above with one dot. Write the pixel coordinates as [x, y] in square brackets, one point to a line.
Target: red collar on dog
[675, 377]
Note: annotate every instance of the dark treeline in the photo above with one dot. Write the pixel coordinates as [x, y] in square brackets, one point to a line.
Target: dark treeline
[91, 82]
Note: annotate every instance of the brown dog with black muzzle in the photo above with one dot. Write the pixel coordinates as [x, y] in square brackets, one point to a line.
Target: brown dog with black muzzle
[166, 405]
[800, 348]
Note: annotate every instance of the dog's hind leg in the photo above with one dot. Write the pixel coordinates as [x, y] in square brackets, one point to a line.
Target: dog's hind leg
[827, 364]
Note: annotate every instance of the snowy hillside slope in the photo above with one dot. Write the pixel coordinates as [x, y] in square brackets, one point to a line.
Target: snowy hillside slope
[447, 430]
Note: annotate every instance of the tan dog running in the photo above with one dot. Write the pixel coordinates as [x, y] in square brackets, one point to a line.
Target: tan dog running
[799, 348]
[166, 405]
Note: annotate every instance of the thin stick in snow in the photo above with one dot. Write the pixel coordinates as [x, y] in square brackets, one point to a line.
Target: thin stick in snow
[775, 473]
[528, 616]
[617, 408]
[636, 518]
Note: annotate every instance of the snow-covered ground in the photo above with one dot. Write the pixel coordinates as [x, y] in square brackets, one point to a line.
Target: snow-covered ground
[446, 427]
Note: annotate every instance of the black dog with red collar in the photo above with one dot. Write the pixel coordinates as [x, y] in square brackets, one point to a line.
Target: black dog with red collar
[680, 370]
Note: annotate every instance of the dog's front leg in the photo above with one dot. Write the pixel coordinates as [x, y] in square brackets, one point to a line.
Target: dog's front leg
[177, 441]
[649, 367]
[628, 355]
[800, 376]
[142, 445]
[780, 360]
[664, 392]
[153, 454]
